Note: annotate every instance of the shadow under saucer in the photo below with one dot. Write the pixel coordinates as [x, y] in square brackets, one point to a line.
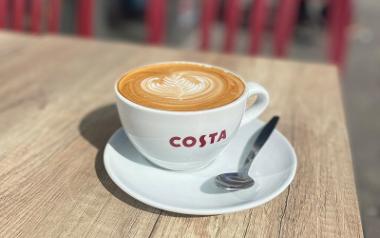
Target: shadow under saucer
[97, 127]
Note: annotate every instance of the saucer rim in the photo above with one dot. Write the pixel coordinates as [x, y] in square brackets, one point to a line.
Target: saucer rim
[202, 211]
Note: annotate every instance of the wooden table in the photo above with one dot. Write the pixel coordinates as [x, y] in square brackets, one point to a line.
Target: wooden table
[57, 112]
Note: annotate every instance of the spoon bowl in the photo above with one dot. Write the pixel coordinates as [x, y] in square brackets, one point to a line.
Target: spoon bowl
[234, 181]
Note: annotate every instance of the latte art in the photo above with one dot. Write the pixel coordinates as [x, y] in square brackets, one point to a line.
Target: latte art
[179, 85]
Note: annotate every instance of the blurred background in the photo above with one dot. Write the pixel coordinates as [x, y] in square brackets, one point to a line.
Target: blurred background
[341, 32]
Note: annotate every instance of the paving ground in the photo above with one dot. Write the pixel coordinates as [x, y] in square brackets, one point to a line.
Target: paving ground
[361, 87]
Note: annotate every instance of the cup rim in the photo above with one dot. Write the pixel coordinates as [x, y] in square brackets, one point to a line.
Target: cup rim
[141, 107]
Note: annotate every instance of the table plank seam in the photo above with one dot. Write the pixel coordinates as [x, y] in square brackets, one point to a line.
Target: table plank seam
[154, 226]
[98, 215]
[283, 213]
[291, 139]
[249, 219]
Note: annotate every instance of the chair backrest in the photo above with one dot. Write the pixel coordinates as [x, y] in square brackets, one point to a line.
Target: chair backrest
[13, 14]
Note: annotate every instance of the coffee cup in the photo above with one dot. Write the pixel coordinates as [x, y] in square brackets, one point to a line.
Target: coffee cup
[181, 115]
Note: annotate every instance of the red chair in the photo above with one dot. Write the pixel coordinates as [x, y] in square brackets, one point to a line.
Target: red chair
[13, 14]
[339, 19]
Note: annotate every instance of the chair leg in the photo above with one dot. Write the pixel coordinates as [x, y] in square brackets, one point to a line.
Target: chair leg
[257, 22]
[3, 13]
[232, 20]
[54, 15]
[85, 17]
[36, 20]
[18, 14]
[339, 20]
[209, 12]
[284, 26]
[155, 20]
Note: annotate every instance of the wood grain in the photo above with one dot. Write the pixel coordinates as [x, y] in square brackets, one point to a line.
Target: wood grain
[57, 112]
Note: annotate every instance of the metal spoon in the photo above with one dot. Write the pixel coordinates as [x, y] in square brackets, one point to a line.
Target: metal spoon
[241, 179]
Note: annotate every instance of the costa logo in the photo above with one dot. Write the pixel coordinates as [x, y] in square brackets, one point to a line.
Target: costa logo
[201, 141]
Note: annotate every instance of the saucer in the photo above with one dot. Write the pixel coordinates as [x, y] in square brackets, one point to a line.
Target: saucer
[194, 192]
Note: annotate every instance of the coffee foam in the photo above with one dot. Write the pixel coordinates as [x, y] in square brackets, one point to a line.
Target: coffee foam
[180, 86]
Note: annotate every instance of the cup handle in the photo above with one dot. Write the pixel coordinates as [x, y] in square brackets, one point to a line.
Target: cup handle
[259, 105]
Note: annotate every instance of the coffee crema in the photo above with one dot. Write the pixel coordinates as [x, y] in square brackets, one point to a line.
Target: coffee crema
[180, 86]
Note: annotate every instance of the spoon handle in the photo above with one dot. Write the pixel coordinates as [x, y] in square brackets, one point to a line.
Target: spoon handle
[247, 163]
[263, 136]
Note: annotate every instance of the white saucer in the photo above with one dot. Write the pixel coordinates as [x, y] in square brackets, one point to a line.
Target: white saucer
[195, 192]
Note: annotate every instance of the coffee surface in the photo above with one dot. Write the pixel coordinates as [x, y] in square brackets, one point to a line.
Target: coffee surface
[180, 86]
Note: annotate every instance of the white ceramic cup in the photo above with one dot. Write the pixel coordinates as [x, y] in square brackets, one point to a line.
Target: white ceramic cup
[183, 140]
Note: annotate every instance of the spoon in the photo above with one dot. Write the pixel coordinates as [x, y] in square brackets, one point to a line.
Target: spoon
[241, 180]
